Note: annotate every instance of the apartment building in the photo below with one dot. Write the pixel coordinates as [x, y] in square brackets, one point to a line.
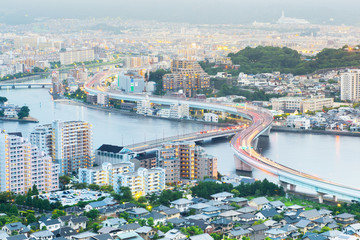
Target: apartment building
[187, 76]
[24, 165]
[316, 104]
[179, 111]
[142, 182]
[168, 159]
[350, 85]
[144, 106]
[71, 56]
[104, 174]
[70, 145]
[301, 104]
[184, 161]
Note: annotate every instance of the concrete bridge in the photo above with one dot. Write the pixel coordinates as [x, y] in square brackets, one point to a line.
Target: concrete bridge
[24, 85]
[195, 137]
[244, 143]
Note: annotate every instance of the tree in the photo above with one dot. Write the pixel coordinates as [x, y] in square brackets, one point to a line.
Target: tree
[24, 112]
[13, 211]
[93, 214]
[35, 191]
[94, 187]
[3, 100]
[150, 221]
[64, 180]
[30, 218]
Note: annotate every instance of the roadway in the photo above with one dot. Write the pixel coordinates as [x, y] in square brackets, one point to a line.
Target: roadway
[244, 141]
[195, 137]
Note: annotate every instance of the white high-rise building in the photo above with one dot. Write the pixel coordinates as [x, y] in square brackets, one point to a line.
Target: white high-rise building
[23, 165]
[69, 143]
[350, 85]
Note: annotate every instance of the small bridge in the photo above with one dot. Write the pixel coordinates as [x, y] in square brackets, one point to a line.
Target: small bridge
[24, 85]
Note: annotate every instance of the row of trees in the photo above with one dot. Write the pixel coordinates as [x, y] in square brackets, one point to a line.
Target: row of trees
[285, 60]
[257, 95]
[259, 188]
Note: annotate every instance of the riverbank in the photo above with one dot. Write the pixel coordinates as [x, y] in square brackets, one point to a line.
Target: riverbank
[318, 132]
[106, 109]
[24, 120]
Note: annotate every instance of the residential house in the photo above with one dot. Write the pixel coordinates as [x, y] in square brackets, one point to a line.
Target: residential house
[231, 215]
[95, 205]
[102, 237]
[239, 233]
[158, 217]
[78, 222]
[258, 229]
[182, 204]
[266, 214]
[146, 232]
[137, 212]
[305, 225]
[175, 234]
[204, 236]
[247, 218]
[83, 236]
[42, 235]
[113, 222]
[258, 202]
[345, 218]
[310, 214]
[353, 229]
[129, 227]
[275, 233]
[65, 232]
[223, 196]
[171, 213]
[51, 225]
[18, 227]
[129, 236]
[222, 225]
[239, 201]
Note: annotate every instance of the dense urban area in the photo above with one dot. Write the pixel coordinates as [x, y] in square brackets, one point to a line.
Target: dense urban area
[55, 185]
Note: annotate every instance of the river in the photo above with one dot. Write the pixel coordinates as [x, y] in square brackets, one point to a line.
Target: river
[332, 157]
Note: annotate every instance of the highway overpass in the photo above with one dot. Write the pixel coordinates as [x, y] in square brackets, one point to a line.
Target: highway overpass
[244, 142]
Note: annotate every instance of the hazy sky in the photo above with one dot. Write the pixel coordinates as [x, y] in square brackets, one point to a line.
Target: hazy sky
[193, 11]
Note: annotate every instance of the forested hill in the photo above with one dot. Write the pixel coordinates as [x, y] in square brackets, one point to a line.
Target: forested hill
[285, 60]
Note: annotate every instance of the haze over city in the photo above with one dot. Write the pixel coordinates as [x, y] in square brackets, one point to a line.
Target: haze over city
[198, 11]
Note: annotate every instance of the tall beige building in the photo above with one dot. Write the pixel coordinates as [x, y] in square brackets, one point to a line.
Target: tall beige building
[70, 144]
[186, 161]
[187, 76]
[350, 85]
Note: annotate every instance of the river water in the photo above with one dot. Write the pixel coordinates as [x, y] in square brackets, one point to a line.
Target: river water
[336, 158]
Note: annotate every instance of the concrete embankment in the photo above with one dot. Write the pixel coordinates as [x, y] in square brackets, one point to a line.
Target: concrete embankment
[319, 132]
[77, 103]
[24, 120]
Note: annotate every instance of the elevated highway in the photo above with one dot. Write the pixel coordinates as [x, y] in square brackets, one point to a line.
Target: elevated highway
[244, 142]
[195, 137]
